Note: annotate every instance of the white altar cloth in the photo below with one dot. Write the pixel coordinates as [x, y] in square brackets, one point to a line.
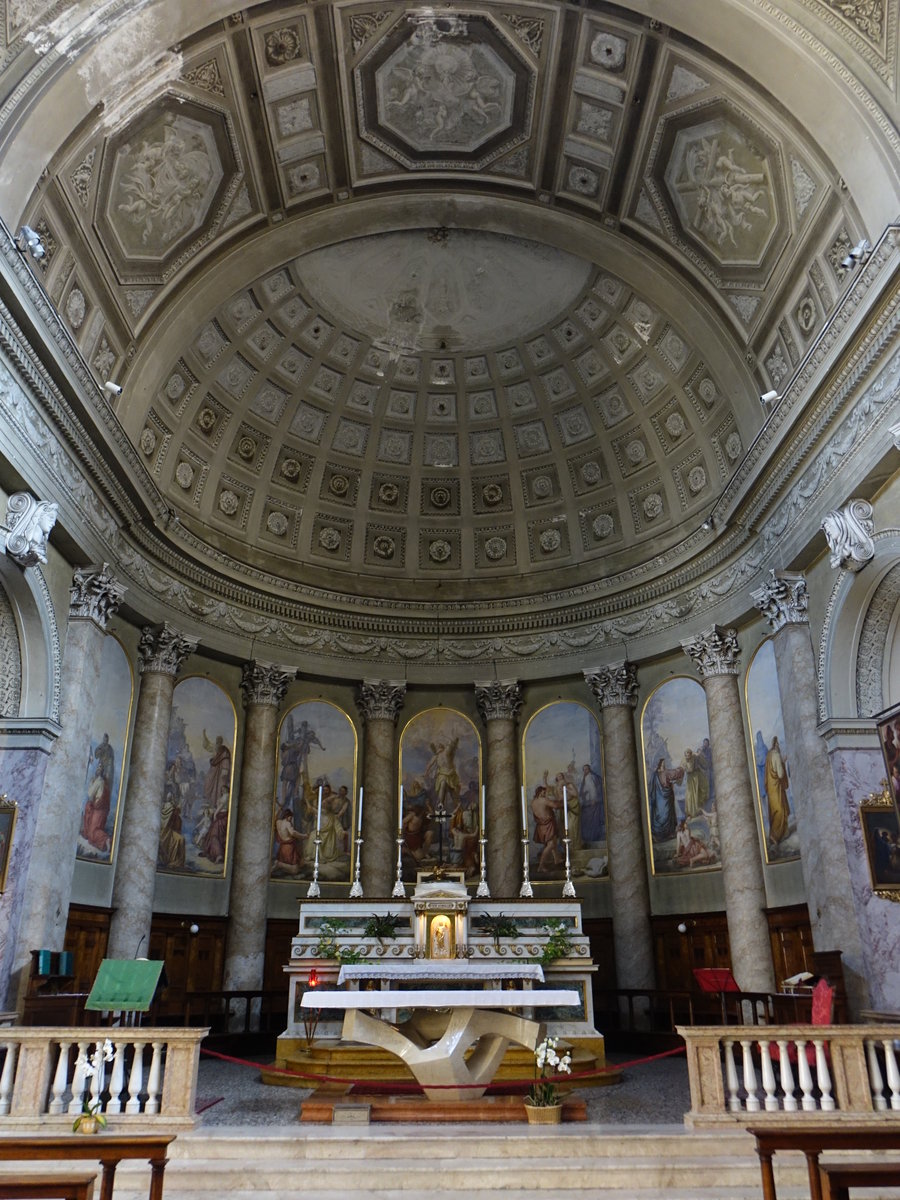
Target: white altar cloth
[452, 971]
[490, 998]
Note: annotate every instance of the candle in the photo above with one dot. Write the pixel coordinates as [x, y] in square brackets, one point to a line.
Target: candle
[482, 808]
[565, 810]
[359, 815]
[524, 813]
[319, 812]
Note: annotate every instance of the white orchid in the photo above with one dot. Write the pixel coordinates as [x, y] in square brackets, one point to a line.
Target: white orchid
[543, 1092]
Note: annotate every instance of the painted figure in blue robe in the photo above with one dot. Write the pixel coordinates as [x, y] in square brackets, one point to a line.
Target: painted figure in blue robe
[590, 793]
[661, 789]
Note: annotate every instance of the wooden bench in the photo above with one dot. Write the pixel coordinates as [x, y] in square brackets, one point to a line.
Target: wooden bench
[811, 1140]
[47, 1187]
[838, 1178]
[106, 1148]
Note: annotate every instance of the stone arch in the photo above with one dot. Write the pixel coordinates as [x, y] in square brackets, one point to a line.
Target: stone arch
[29, 644]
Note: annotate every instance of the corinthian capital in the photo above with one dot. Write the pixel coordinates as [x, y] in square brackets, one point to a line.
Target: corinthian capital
[783, 599]
[715, 651]
[848, 531]
[613, 684]
[263, 683]
[163, 649]
[498, 700]
[380, 699]
[94, 595]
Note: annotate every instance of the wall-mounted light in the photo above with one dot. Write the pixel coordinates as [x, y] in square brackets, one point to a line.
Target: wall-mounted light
[112, 389]
[769, 397]
[856, 254]
[684, 926]
[31, 242]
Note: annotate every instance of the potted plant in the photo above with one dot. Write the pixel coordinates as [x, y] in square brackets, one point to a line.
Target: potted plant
[543, 1104]
[90, 1119]
[90, 1066]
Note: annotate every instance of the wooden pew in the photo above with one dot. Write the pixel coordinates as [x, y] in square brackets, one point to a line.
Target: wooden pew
[106, 1148]
[811, 1140]
[838, 1178]
[48, 1187]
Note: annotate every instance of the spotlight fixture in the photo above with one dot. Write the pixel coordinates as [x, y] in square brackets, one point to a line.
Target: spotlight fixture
[769, 397]
[112, 389]
[707, 525]
[31, 241]
[856, 254]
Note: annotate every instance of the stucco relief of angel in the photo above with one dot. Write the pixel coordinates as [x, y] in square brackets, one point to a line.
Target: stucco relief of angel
[443, 90]
[165, 185]
[726, 195]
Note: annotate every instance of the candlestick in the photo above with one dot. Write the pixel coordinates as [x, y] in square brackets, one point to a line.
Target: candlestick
[525, 889]
[319, 811]
[356, 889]
[524, 813]
[565, 810]
[314, 889]
[399, 890]
[359, 813]
[482, 808]
[568, 887]
[483, 892]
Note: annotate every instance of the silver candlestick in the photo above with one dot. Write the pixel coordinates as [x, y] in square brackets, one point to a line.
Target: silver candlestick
[568, 887]
[314, 889]
[525, 889]
[483, 892]
[356, 889]
[399, 890]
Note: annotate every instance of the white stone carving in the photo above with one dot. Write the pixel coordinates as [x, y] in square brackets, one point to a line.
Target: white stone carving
[714, 652]
[608, 51]
[683, 82]
[163, 649]
[848, 531]
[380, 699]
[498, 700]
[263, 683]
[94, 595]
[783, 599]
[653, 506]
[615, 684]
[27, 528]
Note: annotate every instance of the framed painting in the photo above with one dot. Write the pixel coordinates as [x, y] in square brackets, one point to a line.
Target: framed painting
[105, 755]
[317, 749]
[888, 725]
[881, 832]
[680, 789]
[772, 759]
[562, 773]
[440, 785]
[9, 810]
[196, 806]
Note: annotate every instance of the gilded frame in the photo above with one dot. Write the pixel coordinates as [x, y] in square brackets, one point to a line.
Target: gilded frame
[9, 811]
[887, 724]
[881, 834]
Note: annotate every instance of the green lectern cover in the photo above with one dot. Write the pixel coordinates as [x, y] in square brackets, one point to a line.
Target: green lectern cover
[124, 984]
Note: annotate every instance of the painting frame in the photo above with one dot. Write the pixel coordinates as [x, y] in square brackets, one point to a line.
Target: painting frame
[881, 834]
[9, 811]
[887, 726]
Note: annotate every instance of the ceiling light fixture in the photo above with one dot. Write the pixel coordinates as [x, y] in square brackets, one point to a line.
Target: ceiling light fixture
[31, 242]
[707, 525]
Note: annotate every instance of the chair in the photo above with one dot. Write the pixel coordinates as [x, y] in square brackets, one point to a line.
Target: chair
[822, 1014]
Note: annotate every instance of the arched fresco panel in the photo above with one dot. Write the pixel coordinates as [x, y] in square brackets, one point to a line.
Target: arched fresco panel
[105, 755]
[772, 759]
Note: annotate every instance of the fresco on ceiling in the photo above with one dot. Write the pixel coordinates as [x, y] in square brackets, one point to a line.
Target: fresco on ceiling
[680, 788]
[562, 772]
[105, 754]
[771, 777]
[196, 808]
[440, 773]
[316, 750]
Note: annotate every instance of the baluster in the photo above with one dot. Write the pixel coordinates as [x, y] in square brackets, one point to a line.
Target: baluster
[60, 1079]
[787, 1077]
[136, 1079]
[731, 1078]
[808, 1103]
[78, 1078]
[876, 1082]
[823, 1075]
[7, 1076]
[153, 1080]
[768, 1078]
[117, 1080]
[893, 1075]
[752, 1101]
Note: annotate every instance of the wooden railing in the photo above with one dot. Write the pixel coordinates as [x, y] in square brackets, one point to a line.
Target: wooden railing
[648, 1010]
[140, 1079]
[736, 1076]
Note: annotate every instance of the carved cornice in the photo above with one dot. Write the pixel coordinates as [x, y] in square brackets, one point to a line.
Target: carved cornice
[94, 595]
[783, 599]
[715, 651]
[380, 699]
[498, 700]
[615, 684]
[163, 649]
[263, 683]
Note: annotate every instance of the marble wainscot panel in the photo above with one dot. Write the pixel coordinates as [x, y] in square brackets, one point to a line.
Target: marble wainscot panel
[22, 780]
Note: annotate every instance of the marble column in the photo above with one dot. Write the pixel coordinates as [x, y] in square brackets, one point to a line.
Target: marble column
[263, 687]
[615, 689]
[93, 598]
[161, 652]
[379, 702]
[715, 654]
[783, 602]
[498, 703]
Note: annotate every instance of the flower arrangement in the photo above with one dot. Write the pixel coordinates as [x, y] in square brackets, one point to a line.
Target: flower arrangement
[543, 1092]
[91, 1118]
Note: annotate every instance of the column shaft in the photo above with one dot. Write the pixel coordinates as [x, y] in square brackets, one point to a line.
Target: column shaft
[379, 702]
[498, 703]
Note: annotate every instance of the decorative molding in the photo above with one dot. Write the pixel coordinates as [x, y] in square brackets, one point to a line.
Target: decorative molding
[783, 599]
[614, 685]
[849, 531]
[95, 595]
[498, 700]
[163, 649]
[873, 637]
[380, 699]
[264, 683]
[715, 651]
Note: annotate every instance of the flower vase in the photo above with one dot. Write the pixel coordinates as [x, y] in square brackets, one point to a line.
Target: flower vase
[543, 1114]
[88, 1124]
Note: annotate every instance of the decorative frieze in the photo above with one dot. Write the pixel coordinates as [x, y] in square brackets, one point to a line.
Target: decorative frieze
[94, 595]
[783, 599]
[848, 531]
[380, 699]
[715, 651]
[615, 684]
[163, 649]
[498, 700]
[264, 683]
